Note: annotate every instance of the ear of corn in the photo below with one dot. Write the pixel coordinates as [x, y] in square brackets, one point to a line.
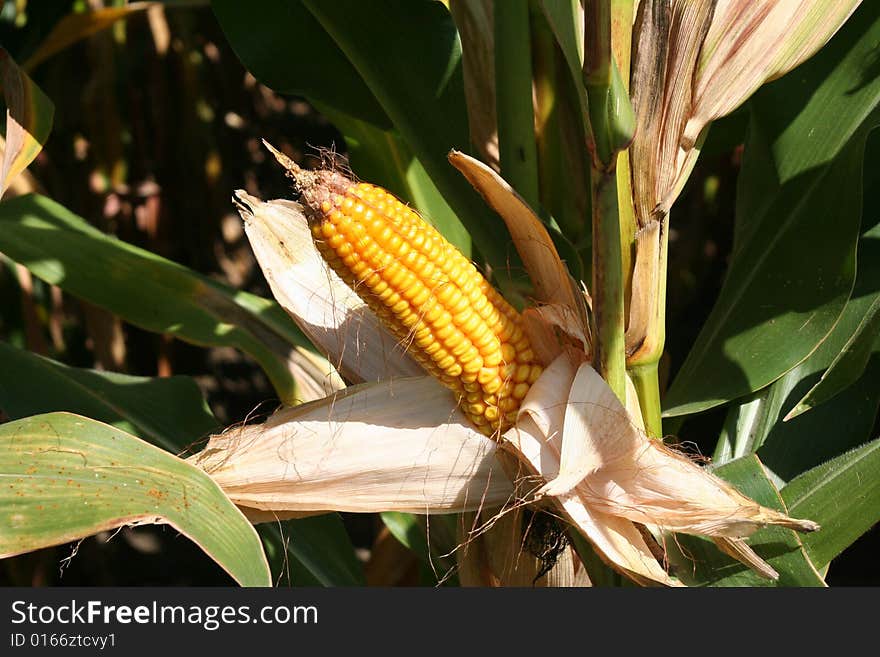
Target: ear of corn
[427, 294]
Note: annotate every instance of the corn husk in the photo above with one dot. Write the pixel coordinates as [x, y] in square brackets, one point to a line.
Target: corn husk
[400, 445]
[553, 285]
[606, 475]
[645, 329]
[332, 316]
[750, 43]
[698, 60]
[502, 554]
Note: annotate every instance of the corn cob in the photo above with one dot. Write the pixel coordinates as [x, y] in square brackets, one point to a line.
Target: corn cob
[425, 292]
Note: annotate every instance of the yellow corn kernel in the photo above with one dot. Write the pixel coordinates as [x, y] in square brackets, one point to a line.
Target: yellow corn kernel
[426, 293]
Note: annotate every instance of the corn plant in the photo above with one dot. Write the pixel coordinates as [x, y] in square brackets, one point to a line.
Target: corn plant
[470, 314]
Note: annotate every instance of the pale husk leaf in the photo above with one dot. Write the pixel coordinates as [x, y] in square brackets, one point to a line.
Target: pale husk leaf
[646, 482]
[615, 539]
[333, 317]
[606, 474]
[567, 321]
[739, 549]
[645, 315]
[400, 445]
[500, 555]
[579, 454]
[698, 60]
[550, 276]
[667, 41]
[541, 335]
[750, 43]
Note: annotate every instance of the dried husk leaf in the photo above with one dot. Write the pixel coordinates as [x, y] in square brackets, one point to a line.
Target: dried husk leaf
[552, 282]
[646, 482]
[541, 335]
[669, 34]
[615, 539]
[606, 475]
[400, 445]
[750, 43]
[567, 321]
[698, 60]
[739, 550]
[333, 317]
[645, 313]
[500, 555]
[537, 439]
[578, 456]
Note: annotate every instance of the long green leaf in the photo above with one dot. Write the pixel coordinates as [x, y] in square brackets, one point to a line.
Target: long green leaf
[147, 290]
[800, 443]
[408, 55]
[286, 49]
[431, 538]
[698, 561]
[793, 263]
[848, 365]
[66, 477]
[169, 412]
[313, 551]
[513, 98]
[843, 496]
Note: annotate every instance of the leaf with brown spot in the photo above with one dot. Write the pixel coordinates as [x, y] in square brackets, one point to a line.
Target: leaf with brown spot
[65, 477]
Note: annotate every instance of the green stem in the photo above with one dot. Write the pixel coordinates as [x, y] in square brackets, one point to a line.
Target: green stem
[608, 302]
[621, 50]
[513, 97]
[644, 378]
[610, 130]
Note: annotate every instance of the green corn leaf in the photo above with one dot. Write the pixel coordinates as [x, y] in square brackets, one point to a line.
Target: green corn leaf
[169, 412]
[150, 291]
[843, 496]
[790, 274]
[67, 477]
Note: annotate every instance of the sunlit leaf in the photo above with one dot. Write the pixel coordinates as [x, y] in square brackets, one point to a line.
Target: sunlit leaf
[798, 221]
[789, 447]
[66, 477]
[154, 293]
[842, 495]
[848, 365]
[169, 412]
